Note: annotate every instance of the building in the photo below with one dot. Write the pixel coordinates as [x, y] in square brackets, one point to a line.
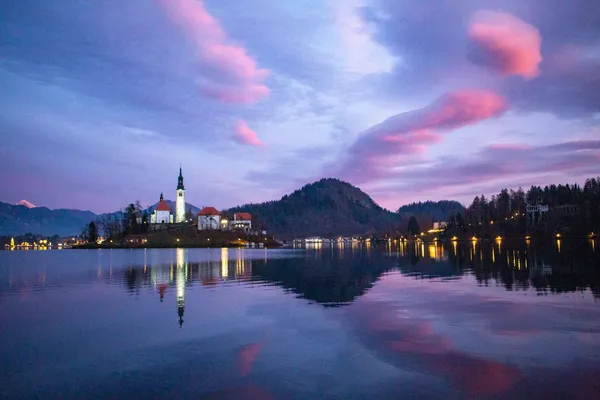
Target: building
[180, 200]
[209, 218]
[162, 213]
[535, 212]
[241, 221]
[439, 225]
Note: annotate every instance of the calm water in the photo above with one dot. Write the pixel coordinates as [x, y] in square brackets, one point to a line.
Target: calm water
[468, 321]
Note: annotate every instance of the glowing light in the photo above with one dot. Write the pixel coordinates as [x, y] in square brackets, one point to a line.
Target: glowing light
[558, 235]
[224, 262]
[454, 239]
[498, 238]
[474, 239]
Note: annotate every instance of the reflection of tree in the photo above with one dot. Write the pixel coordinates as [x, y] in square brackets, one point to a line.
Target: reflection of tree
[338, 276]
[330, 281]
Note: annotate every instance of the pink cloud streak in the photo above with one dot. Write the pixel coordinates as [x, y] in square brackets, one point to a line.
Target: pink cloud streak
[506, 43]
[246, 136]
[386, 144]
[233, 75]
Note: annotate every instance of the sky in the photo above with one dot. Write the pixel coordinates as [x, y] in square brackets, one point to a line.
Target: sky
[410, 100]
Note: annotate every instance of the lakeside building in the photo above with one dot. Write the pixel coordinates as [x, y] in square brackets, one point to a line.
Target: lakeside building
[162, 213]
[209, 218]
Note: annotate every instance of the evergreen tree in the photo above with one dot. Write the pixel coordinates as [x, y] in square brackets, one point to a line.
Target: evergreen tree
[413, 226]
[92, 233]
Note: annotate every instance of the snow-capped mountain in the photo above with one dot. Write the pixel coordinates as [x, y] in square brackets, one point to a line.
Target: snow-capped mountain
[26, 204]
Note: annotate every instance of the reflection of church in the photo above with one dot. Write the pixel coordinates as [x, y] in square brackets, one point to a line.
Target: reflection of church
[209, 272]
[180, 276]
[162, 279]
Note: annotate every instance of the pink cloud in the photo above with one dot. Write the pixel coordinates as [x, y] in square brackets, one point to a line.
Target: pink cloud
[506, 43]
[246, 136]
[392, 142]
[233, 75]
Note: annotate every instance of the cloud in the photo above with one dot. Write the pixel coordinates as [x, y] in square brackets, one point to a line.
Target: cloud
[362, 54]
[233, 76]
[504, 165]
[382, 147]
[505, 43]
[246, 136]
[430, 38]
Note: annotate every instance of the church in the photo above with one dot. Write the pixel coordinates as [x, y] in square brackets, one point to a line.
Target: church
[163, 214]
[209, 218]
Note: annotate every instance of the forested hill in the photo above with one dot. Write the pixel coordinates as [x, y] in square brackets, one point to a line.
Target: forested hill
[437, 210]
[328, 207]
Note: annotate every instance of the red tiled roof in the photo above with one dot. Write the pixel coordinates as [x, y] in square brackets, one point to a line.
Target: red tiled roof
[162, 206]
[242, 216]
[209, 211]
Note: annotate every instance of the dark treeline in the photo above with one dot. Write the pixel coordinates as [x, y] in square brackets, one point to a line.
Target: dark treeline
[572, 210]
[132, 220]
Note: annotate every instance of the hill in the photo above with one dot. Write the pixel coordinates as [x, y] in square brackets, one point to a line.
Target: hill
[328, 207]
[436, 210]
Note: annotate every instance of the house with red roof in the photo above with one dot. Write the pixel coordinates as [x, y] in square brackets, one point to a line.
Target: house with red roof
[209, 218]
[162, 214]
[241, 221]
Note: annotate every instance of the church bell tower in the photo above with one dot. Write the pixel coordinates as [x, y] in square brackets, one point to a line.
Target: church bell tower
[180, 200]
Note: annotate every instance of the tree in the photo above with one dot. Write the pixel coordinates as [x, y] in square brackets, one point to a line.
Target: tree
[130, 224]
[111, 226]
[413, 226]
[145, 222]
[92, 233]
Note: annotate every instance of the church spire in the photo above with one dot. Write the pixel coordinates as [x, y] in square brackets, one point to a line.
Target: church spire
[161, 197]
[180, 180]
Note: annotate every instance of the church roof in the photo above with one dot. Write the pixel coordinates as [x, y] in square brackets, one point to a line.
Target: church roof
[242, 216]
[162, 206]
[209, 211]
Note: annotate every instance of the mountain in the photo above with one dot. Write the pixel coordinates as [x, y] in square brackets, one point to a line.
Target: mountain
[329, 207]
[436, 210]
[19, 219]
[26, 204]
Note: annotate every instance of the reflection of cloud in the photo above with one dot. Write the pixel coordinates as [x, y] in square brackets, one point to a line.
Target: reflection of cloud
[407, 341]
[242, 393]
[247, 356]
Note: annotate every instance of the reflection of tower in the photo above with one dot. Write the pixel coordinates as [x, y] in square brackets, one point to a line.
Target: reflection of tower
[224, 262]
[180, 200]
[180, 283]
[160, 280]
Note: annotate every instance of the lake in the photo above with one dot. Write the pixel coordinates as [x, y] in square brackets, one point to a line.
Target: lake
[468, 320]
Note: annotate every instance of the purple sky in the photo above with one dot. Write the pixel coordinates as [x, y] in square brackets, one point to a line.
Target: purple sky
[410, 100]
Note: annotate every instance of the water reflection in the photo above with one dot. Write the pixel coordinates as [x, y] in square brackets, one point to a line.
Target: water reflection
[461, 320]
